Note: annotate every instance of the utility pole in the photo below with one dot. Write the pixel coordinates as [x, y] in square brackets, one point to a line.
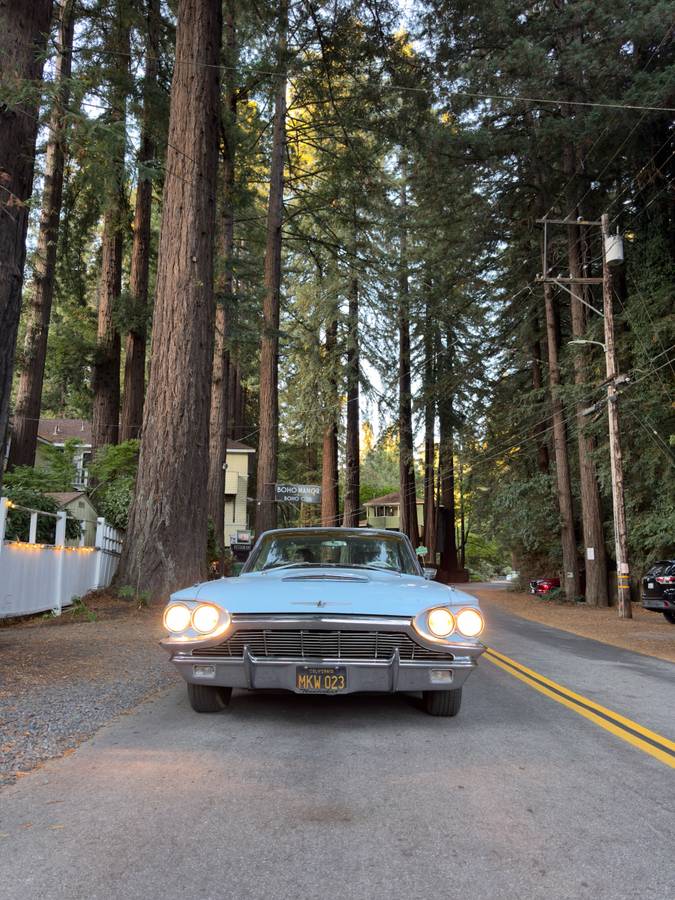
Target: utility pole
[620, 531]
[612, 254]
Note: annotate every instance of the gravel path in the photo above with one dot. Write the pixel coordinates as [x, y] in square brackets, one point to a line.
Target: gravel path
[61, 680]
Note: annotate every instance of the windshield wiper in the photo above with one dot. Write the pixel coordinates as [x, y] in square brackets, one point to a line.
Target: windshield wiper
[290, 565]
[379, 568]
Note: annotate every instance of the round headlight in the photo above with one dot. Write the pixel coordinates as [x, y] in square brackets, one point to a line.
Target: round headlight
[177, 617]
[441, 622]
[469, 622]
[205, 618]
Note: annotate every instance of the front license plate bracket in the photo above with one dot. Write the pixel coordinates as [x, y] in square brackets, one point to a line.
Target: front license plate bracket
[321, 679]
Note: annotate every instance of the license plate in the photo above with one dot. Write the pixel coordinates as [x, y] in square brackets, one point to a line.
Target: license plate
[650, 585]
[321, 679]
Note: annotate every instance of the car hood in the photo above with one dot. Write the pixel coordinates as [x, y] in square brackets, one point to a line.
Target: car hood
[339, 591]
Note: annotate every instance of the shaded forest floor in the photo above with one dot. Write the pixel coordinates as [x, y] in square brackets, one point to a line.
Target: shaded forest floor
[647, 632]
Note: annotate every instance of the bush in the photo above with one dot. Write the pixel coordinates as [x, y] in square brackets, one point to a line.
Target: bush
[113, 471]
[18, 521]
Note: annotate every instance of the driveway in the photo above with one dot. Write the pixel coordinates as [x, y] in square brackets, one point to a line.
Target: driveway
[351, 797]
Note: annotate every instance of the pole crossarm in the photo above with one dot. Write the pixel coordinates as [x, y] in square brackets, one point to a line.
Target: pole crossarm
[568, 280]
[546, 221]
[563, 284]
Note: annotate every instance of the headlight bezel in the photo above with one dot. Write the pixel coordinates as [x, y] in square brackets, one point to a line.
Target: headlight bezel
[423, 628]
[191, 632]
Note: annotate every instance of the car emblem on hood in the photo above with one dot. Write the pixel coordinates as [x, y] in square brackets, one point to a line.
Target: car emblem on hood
[320, 603]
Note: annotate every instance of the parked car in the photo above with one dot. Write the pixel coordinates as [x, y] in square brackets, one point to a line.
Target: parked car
[325, 611]
[542, 586]
[658, 589]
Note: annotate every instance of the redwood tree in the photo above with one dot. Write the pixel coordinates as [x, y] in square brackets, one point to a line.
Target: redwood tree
[24, 27]
[220, 381]
[352, 503]
[268, 439]
[165, 546]
[32, 361]
[134, 366]
[106, 377]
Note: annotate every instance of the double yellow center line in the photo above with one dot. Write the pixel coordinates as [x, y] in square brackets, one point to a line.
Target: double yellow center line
[655, 745]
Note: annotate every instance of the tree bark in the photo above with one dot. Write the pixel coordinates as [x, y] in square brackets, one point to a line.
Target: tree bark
[268, 441]
[446, 462]
[32, 361]
[329, 456]
[134, 365]
[218, 425]
[570, 581]
[106, 374]
[537, 384]
[24, 28]
[165, 547]
[352, 501]
[429, 441]
[591, 504]
[407, 486]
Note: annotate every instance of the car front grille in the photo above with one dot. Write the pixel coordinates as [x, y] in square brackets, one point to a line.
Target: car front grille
[301, 644]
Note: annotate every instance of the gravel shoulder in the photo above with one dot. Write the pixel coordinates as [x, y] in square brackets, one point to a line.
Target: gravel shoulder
[62, 679]
[647, 632]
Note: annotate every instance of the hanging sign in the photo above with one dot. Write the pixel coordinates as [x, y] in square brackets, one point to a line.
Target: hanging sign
[297, 493]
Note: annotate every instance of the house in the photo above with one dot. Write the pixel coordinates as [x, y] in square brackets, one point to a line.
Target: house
[78, 506]
[56, 432]
[237, 473]
[385, 511]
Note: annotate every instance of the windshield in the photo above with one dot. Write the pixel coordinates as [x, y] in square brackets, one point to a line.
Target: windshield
[338, 549]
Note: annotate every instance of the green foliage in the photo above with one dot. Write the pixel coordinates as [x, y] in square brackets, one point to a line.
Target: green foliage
[56, 472]
[113, 471]
[26, 491]
[80, 609]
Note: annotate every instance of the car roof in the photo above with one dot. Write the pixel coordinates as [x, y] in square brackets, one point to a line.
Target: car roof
[334, 529]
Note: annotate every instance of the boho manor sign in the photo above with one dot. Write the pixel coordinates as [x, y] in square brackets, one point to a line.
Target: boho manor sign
[297, 493]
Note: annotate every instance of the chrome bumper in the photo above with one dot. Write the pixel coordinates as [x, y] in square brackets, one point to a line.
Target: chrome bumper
[382, 675]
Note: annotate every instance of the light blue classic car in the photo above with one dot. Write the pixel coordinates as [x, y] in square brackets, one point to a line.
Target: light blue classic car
[325, 611]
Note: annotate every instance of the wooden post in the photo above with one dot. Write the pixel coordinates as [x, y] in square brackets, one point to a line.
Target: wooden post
[98, 550]
[32, 529]
[620, 530]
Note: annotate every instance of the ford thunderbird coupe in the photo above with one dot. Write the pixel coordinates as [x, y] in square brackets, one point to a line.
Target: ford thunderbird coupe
[325, 611]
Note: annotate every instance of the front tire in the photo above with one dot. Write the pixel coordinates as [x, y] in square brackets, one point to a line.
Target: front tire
[206, 698]
[442, 703]
[670, 616]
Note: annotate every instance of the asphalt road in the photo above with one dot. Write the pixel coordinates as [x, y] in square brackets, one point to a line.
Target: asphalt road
[358, 797]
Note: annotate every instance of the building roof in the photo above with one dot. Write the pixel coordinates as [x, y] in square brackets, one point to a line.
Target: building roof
[238, 447]
[63, 498]
[56, 431]
[393, 499]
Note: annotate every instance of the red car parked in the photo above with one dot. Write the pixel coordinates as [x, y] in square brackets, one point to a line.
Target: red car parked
[541, 586]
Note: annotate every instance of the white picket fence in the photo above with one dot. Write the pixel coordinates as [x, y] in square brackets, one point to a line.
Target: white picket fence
[39, 577]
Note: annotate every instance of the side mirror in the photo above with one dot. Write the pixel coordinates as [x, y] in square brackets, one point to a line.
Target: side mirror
[429, 573]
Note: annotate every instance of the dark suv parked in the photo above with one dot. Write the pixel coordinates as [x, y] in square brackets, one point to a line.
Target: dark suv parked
[658, 589]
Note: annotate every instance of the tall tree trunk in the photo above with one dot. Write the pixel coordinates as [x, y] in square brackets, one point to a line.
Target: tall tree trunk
[134, 366]
[429, 441]
[218, 425]
[165, 547]
[591, 504]
[106, 374]
[352, 502]
[268, 440]
[24, 28]
[407, 486]
[329, 456]
[537, 385]
[570, 581]
[446, 462]
[32, 362]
